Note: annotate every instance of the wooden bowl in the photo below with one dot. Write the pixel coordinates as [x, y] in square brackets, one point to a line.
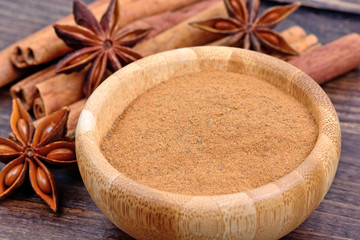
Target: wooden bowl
[267, 212]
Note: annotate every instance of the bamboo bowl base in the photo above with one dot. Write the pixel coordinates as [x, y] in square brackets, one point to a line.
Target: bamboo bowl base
[268, 212]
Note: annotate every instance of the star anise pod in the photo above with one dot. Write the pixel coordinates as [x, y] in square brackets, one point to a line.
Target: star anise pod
[249, 31]
[31, 149]
[104, 44]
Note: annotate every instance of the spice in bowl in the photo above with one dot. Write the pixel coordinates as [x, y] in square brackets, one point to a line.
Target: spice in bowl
[210, 133]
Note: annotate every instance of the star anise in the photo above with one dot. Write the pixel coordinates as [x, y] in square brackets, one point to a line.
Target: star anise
[30, 149]
[249, 31]
[104, 44]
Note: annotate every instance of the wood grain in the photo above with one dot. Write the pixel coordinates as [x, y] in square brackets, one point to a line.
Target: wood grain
[25, 216]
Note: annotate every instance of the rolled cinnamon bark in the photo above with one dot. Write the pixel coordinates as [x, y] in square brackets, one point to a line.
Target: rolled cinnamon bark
[38, 47]
[332, 59]
[75, 110]
[44, 46]
[166, 20]
[8, 72]
[56, 92]
[182, 35]
[25, 90]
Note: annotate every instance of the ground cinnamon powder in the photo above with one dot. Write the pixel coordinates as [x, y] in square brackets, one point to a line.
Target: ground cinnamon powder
[210, 133]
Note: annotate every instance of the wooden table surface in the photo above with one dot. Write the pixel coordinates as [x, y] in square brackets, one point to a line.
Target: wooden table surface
[25, 216]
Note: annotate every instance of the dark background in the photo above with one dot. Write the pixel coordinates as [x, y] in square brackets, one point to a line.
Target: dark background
[24, 215]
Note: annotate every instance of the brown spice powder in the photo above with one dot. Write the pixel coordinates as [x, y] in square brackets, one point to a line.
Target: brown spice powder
[210, 133]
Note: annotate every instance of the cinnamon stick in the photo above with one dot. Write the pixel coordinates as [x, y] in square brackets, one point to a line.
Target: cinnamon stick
[44, 46]
[33, 51]
[37, 48]
[182, 35]
[8, 72]
[332, 59]
[25, 89]
[58, 91]
[75, 110]
[163, 21]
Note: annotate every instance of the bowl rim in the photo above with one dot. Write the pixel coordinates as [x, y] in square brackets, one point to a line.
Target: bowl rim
[327, 121]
